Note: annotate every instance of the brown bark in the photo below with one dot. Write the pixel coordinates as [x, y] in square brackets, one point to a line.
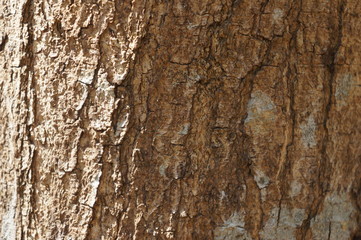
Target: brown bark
[151, 119]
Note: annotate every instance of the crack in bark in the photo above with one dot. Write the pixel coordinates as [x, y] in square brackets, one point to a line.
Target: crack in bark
[27, 83]
[3, 42]
[323, 175]
[329, 230]
[332, 71]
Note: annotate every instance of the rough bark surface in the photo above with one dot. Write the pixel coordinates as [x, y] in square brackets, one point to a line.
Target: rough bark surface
[211, 119]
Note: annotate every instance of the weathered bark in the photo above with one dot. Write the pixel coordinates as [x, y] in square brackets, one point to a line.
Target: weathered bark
[151, 119]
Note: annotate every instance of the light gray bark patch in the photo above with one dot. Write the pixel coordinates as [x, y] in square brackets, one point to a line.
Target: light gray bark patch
[258, 106]
[296, 188]
[8, 222]
[101, 111]
[277, 14]
[185, 129]
[86, 76]
[261, 179]
[122, 126]
[338, 212]
[162, 170]
[343, 88]
[232, 228]
[283, 226]
[308, 130]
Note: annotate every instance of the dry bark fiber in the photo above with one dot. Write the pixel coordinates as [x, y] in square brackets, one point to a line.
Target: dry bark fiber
[209, 119]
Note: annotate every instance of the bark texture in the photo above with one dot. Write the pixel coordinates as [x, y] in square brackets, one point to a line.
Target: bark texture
[209, 119]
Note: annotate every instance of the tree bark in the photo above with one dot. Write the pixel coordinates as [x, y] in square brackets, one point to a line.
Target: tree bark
[211, 119]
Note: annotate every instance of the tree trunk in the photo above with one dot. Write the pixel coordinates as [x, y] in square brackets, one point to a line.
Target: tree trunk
[149, 119]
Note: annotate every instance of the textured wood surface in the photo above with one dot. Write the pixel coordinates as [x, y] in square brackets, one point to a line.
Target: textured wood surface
[210, 119]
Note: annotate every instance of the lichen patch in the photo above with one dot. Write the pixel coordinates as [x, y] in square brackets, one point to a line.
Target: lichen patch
[343, 89]
[283, 223]
[232, 228]
[308, 130]
[336, 218]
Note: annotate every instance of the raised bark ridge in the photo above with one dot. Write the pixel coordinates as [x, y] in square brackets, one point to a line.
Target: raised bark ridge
[180, 119]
